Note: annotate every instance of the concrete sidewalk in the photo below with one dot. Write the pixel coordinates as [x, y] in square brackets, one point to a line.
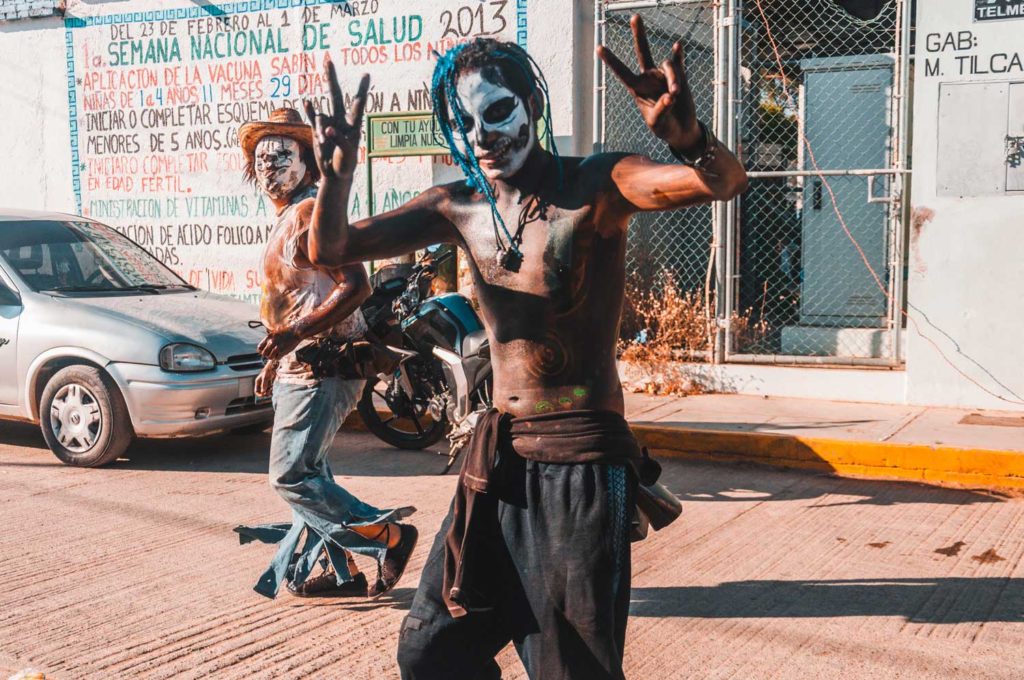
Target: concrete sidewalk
[133, 571]
[941, 445]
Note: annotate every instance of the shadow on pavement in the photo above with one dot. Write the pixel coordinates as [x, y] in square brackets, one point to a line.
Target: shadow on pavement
[746, 482]
[358, 454]
[353, 455]
[916, 600]
[224, 453]
[22, 434]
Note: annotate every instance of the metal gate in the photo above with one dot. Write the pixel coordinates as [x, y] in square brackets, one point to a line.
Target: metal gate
[806, 266]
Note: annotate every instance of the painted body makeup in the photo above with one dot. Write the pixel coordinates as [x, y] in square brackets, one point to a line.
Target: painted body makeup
[279, 166]
[292, 289]
[497, 123]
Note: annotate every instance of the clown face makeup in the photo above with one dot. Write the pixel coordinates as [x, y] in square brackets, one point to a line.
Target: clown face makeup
[498, 125]
[279, 166]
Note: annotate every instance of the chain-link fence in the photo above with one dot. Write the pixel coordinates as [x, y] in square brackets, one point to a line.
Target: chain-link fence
[810, 267]
[675, 245]
[815, 241]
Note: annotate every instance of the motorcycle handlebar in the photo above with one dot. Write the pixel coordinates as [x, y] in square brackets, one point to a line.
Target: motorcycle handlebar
[422, 268]
[408, 295]
[444, 257]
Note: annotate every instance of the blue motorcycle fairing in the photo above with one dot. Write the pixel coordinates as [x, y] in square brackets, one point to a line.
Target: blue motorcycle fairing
[443, 321]
[460, 306]
[458, 314]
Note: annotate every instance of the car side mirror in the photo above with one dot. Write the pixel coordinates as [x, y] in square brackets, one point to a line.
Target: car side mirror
[8, 297]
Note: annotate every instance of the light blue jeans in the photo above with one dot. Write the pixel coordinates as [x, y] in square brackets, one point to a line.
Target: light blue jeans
[306, 419]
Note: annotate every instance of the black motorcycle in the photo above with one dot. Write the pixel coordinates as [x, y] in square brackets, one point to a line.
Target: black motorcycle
[443, 380]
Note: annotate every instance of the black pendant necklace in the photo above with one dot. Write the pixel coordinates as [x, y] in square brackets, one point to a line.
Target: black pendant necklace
[536, 208]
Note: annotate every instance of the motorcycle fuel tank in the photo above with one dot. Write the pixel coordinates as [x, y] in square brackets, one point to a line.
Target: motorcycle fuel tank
[443, 321]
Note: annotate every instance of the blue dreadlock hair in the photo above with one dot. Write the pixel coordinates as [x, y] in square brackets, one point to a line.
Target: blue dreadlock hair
[521, 74]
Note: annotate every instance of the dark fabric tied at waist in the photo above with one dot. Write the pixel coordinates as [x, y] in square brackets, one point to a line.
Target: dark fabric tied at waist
[563, 437]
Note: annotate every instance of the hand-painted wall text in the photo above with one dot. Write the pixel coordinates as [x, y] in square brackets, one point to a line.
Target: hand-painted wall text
[157, 98]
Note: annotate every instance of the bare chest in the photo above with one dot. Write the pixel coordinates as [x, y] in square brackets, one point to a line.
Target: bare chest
[558, 245]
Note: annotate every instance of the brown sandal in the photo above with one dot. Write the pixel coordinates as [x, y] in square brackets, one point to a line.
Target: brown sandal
[395, 561]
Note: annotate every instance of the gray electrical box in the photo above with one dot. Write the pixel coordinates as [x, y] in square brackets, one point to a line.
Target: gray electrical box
[847, 125]
[981, 139]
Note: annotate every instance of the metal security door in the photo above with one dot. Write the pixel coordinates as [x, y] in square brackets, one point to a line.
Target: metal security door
[845, 123]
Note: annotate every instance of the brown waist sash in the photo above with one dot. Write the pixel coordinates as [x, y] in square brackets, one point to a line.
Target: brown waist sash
[563, 437]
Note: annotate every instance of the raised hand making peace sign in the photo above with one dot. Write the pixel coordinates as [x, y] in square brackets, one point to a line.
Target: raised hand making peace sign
[337, 137]
[661, 93]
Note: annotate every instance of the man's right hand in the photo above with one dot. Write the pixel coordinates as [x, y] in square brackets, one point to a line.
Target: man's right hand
[279, 343]
[265, 380]
[336, 136]
[662, 93]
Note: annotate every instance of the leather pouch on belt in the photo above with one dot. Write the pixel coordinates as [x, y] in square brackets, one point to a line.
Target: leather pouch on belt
[656, 506]
[348, 359]
[659, 504]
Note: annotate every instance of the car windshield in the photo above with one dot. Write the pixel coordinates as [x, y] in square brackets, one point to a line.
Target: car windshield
[79, 256]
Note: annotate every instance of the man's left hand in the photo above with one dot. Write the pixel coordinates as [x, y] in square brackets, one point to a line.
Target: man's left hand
[279, 343]
[661, 93]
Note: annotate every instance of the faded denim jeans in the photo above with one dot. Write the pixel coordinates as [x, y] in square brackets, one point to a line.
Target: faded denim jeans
[306, 420]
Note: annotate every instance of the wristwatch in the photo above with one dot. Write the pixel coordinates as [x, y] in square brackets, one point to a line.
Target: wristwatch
[706, 156]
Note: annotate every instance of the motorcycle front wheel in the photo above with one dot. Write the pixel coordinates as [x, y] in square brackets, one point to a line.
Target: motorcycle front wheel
[405, 426]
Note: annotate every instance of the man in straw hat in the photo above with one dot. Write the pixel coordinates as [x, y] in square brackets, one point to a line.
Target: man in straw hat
[535, 549]
[302, 302]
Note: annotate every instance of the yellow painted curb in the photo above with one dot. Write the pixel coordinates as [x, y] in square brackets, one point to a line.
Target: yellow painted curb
[979, 468]
[885, 460]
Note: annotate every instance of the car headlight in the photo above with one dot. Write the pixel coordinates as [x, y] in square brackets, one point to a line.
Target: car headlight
[181, 357]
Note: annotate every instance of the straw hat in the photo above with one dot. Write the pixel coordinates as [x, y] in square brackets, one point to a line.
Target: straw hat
[285, 122]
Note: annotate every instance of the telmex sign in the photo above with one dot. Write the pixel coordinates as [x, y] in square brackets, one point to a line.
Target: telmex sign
[994, 10]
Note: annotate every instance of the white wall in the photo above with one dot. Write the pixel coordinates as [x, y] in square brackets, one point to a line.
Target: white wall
[35, 133]
[967, 237]
[33, 80]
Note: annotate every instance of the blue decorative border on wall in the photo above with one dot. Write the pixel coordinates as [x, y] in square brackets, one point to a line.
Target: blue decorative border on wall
[245, 6]
[76, 168]
[521, 23]
[188, 13]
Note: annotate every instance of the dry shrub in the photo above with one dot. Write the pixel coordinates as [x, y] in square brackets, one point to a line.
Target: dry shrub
[746, 332]
[665, 330]
[665, 326]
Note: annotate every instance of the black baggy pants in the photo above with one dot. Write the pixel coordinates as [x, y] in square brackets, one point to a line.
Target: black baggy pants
[558, 569]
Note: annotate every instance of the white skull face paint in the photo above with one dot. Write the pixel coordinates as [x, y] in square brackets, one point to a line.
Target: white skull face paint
[279, 166]
[498, 125]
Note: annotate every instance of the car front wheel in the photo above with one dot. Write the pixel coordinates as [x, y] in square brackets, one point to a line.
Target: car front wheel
[84, 418]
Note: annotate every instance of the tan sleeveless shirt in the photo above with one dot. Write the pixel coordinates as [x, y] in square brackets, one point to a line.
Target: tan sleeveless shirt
[291, 291]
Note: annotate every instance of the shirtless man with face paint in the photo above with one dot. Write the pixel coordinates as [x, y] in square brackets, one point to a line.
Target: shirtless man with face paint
[535, 549]
[302, 302]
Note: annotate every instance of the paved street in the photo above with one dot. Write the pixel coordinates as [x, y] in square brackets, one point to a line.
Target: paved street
[133, 572]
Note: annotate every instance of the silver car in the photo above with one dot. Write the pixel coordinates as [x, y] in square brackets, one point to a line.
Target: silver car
[101, 343]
